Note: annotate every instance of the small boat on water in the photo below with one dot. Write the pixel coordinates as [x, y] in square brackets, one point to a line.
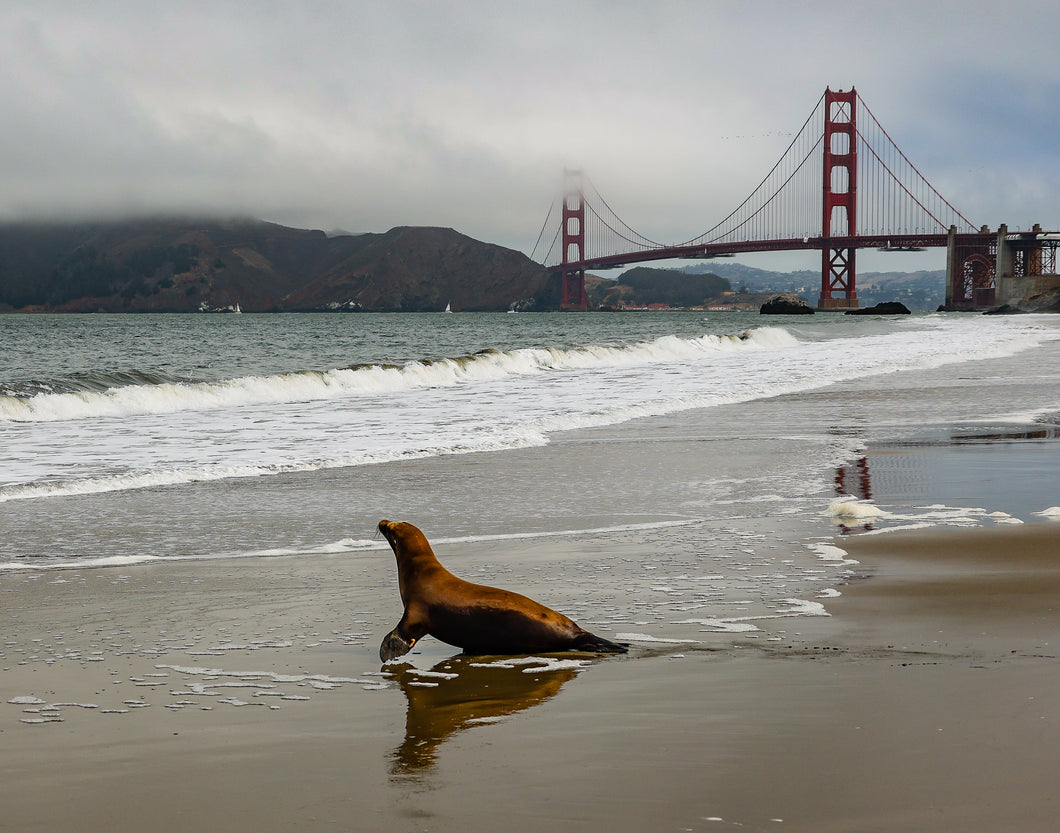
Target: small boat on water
[448, 307]
[205, 307]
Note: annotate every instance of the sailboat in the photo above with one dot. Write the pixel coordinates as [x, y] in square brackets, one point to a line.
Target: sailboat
[448, 307]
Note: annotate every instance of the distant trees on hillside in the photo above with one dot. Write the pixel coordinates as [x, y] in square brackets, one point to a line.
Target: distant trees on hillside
[88, 272]
[644, 285]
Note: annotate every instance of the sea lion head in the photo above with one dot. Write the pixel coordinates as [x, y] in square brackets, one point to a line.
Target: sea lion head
[384, 528]
[415, 558]
[402, 536]
[405, 539]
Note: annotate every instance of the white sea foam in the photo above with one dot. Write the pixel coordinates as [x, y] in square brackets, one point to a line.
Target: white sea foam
[725, 625]
[741, 624]
[534, 665]
[848, 508]
[648, 638]
[802, 607]
[341, 546]
[829, 552]
[103, 561]
[439, 674]
[926, 517]
[254, 679]
[207, 473]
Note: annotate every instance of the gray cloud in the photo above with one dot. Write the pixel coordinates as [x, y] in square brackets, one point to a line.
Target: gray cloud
[363, 115]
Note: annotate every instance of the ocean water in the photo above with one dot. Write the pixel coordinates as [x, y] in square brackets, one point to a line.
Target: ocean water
[737, 443]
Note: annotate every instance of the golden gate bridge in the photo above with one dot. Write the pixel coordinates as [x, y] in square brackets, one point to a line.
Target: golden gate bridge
[842, 184]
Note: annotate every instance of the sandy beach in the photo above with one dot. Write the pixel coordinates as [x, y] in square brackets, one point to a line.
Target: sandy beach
[154, 698]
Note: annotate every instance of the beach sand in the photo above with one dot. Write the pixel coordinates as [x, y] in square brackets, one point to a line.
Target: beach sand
[927, 701]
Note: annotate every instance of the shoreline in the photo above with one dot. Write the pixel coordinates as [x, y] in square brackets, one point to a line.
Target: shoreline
[927, 696]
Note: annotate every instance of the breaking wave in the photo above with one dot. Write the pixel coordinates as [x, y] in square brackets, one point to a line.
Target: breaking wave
[129, 394]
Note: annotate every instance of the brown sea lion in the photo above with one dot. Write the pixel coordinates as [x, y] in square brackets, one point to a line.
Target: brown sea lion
[479, 619]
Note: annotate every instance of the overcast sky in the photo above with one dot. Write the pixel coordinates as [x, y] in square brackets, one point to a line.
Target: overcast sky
[367, 115]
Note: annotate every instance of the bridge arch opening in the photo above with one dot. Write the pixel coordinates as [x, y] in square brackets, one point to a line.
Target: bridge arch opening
[840, 180]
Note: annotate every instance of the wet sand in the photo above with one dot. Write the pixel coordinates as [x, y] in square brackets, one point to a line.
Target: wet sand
[927, 701]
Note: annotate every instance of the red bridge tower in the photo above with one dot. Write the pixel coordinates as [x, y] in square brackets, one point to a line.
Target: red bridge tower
[840, 199]
[573, 243]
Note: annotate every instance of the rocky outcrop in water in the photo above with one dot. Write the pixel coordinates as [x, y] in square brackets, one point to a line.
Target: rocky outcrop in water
[1044, 302]
[786, 303]
[885, 308]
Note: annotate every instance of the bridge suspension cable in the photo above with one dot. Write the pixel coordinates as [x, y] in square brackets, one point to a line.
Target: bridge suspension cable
[777, 207]
[541, 234]
[895, 198]
[785, 210]
[607, 229]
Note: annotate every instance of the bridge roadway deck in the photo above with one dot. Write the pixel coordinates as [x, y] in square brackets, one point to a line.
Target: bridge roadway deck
[709, 250]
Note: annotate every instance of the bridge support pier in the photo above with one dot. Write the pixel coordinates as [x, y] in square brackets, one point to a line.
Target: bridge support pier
[1026, 264]
[971, 270]
[837, 280]
[573, 298]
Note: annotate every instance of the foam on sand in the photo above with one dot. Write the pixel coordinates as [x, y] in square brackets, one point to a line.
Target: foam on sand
[845, 509]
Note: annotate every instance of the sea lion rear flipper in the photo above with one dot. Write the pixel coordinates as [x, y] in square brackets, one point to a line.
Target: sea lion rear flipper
[593, 644]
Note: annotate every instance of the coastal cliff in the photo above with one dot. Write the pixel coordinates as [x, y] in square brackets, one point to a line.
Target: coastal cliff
[184, 265]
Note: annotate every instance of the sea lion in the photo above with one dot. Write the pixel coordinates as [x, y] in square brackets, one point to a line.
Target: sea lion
[479, 619]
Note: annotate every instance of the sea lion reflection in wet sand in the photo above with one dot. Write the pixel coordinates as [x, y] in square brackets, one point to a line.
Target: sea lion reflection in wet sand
[479, 619]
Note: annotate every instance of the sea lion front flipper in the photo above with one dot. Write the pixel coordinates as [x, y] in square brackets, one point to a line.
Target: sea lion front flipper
[394, 645]
[399, 641]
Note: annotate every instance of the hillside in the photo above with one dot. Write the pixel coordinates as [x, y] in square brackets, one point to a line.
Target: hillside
[923, 290]
[643, 285]
[178, 265]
